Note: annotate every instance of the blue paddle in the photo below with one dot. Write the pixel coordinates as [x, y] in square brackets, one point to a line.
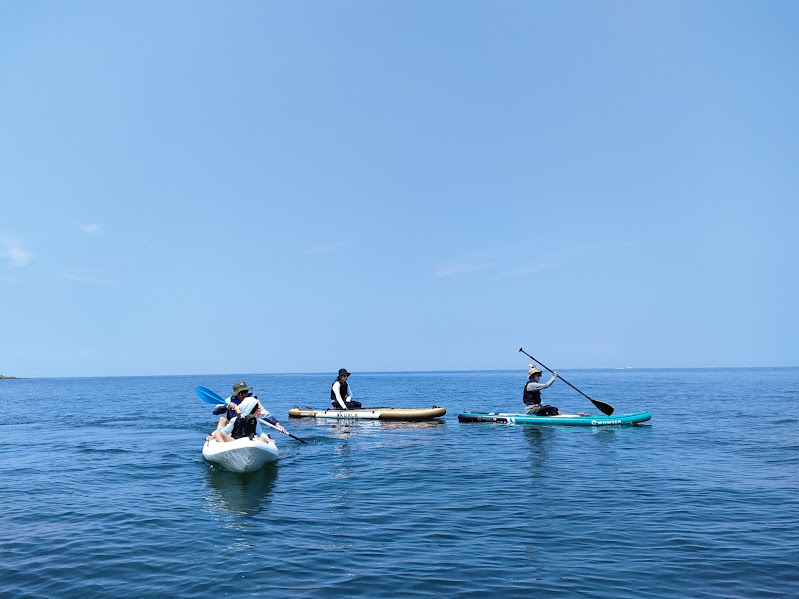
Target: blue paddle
[209, 396]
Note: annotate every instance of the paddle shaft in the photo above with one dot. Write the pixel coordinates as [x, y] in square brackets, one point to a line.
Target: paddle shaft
[601, 405]
[284, 432]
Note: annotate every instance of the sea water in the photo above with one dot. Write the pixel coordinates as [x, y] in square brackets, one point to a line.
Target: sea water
[104, 491]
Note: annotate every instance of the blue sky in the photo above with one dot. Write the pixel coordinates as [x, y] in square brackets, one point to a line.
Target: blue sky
[238, 187]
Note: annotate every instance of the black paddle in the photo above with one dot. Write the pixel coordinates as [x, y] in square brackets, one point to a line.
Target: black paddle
[601, 405]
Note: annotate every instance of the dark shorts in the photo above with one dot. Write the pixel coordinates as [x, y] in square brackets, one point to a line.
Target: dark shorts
[351, 405]
[539, 410]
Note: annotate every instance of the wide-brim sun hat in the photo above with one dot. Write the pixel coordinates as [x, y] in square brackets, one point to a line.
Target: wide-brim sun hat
[240, 386]
[343, 371]
[532, 372]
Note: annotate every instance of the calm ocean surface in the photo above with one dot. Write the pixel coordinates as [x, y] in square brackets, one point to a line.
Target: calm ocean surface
[104, 491]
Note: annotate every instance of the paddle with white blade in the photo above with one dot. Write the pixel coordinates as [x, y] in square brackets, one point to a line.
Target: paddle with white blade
[209, 396]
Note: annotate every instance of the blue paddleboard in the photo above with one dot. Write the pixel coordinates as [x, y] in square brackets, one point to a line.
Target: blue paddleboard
[562, 419]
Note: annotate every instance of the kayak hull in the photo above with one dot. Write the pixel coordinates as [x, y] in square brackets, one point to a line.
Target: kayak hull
[560, 419]
[370, 413]
[241, 455]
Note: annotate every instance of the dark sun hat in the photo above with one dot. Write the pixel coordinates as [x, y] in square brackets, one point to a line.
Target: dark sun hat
[239, 387]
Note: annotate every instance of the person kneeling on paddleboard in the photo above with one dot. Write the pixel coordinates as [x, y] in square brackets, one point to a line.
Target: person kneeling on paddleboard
[532, 394]
[245, 424]
[340, 396]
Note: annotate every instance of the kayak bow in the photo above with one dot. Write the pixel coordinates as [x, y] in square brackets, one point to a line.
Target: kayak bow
[240, 455]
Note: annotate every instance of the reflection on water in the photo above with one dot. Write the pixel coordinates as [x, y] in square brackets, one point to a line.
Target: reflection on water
[539, 438]
[348, 426]
[688, 507]
[341, 429]
[241, 494]
[345, 465]
[437, 423]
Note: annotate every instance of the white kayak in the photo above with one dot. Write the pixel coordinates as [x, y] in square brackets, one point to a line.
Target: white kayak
[241, 455]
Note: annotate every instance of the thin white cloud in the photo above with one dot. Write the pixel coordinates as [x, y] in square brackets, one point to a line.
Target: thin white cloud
[93, 229]
[492, 260]
[564, 256]
[326, 248]
[13, 251]
[86, 277]
[472, 262]
[457, 269]
[526, 270]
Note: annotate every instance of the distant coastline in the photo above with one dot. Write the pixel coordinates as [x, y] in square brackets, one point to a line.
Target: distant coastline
[7, 377]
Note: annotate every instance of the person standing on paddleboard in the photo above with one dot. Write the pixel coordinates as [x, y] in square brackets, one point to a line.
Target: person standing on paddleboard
[340, 396]
[532, 394]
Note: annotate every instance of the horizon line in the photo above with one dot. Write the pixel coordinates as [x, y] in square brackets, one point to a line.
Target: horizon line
[369, 372]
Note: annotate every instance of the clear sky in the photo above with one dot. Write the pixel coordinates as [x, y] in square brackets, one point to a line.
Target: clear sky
[234, 187]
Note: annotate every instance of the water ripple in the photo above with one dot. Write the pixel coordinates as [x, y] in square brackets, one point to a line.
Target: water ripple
[698, 503]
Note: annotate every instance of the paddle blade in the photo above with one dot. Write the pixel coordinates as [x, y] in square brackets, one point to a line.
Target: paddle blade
[603, 407]
[209, 396]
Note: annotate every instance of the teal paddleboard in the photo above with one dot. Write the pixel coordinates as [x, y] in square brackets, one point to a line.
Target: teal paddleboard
[562, 419]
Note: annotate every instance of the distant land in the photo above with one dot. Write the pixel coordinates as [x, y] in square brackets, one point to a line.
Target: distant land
[7, 377]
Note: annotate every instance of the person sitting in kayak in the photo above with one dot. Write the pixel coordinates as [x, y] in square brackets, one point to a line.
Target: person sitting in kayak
[230, 410]
[244, 424]
[340, 395]
[226, 412]
[532, 394]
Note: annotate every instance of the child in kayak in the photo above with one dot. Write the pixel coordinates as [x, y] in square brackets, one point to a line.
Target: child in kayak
[245, 424]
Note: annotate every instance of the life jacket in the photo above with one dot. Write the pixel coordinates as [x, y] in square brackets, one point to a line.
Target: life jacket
[531, 397]
[343, 390]
[244, 426]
